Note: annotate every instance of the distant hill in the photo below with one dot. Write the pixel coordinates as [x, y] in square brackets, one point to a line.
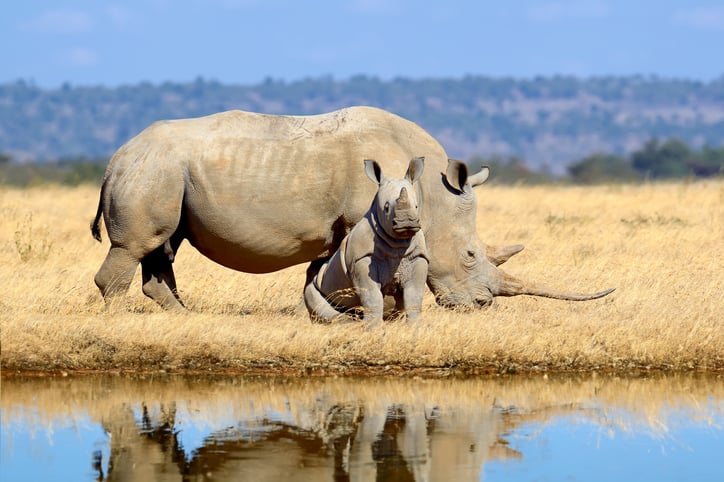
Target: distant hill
[548, 121]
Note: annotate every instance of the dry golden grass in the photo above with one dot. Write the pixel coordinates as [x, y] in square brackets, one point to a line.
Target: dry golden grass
[660, 245]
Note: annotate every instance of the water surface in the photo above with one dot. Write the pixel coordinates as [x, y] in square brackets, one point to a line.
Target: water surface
[169, 428]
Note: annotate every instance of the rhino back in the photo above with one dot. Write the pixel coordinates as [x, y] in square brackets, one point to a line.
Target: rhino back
[263, 192]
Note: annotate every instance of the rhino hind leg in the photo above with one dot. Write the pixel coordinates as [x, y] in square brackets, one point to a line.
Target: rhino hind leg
[116, 273]
[159, 282]
[320, 309]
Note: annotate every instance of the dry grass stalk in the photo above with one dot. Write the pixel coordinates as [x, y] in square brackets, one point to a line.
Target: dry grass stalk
[659, 244]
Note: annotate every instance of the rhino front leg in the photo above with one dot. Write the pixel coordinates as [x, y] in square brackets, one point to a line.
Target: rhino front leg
[414, 289]
[369, 292]
[159, 282]
[372, 305]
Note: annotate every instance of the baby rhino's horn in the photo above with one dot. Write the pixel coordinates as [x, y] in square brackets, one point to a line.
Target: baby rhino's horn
[403, 196]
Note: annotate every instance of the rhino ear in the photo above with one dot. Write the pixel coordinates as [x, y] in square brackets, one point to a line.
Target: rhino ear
[373, 170]
[457, 174]
[414, 170]
[480, 177]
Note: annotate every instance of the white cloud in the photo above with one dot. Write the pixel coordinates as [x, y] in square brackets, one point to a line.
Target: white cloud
[60, 21]
[702, 18]
[568, 10]
[79, 56]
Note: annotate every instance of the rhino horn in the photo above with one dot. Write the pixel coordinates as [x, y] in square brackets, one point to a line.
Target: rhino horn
[403, 199]
[500, 254]
[511, 286]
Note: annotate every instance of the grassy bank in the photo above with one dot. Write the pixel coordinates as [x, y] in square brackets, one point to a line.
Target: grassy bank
[660, 245]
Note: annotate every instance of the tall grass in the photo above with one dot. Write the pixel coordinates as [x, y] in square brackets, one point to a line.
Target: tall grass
[660, 245]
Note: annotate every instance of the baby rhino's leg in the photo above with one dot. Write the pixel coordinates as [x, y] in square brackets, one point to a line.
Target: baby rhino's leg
[414, 288]
[369, 292]
[320, 310]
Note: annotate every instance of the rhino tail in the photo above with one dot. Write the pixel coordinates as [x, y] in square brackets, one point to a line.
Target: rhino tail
[95, 226]
[509, 285]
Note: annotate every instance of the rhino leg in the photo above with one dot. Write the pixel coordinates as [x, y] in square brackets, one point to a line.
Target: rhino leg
[320, 310]
[413, 290]
[116, 273]
[301, 308]
[369, 293]
[159, 282]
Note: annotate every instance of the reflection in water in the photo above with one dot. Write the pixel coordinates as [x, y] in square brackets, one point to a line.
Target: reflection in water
[325, 429]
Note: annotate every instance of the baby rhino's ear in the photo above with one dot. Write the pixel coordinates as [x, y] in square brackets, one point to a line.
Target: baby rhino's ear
[414, 170]
[373, 170]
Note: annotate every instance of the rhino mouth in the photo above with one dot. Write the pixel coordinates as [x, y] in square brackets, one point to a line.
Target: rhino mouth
[405, 220]
[460, 299]
[405, 229]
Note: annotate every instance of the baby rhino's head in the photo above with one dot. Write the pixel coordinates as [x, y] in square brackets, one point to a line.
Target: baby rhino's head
[396, 203]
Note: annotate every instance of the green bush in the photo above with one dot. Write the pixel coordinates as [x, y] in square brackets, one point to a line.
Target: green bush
[510, 170]
[601, 168]
[66, 172]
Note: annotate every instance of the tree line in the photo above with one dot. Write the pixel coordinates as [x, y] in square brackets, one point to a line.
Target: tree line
[67, 172]
[656, 160]
[551, 121]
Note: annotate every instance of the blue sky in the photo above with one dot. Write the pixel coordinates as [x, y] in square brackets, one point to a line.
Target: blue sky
[87, 42]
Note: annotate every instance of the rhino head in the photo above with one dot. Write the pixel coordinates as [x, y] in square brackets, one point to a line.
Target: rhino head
[463, 271]
[396, 204]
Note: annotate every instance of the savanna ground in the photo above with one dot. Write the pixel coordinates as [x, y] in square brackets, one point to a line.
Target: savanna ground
[660, 245]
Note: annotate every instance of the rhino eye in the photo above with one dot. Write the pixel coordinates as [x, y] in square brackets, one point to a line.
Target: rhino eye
[469, 260]
[387, 207]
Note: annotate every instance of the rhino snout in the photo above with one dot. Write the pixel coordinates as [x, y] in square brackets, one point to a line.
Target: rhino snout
[406, 226]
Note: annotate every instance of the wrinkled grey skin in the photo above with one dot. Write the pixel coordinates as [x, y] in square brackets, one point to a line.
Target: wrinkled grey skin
[258, 193]
[383, 255]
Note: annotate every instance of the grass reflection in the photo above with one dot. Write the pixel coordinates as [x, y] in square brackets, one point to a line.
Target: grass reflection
[382, 428]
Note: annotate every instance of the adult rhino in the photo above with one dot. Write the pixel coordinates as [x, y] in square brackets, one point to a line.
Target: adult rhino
[258, 193]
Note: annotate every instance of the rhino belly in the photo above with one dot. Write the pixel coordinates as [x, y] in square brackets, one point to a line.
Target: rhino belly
[255, 231]
[252, 247]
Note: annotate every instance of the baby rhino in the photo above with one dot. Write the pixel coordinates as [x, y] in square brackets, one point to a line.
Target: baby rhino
[383, 255]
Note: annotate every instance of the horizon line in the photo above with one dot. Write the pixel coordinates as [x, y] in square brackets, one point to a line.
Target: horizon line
[649, 77]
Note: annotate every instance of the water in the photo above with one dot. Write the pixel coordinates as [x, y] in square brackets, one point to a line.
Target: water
[167, 428]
